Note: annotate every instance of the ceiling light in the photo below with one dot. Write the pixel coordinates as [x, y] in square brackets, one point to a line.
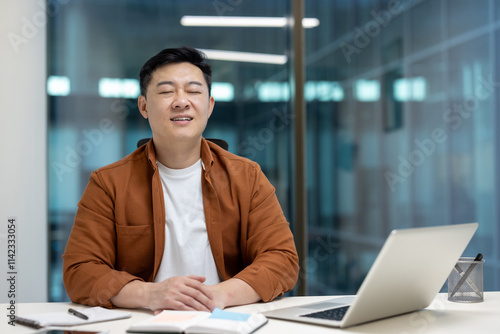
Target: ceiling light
[367, 90]
[117, 87]
[242, 21]
[249, 57]
[58, 86]
[223, 91]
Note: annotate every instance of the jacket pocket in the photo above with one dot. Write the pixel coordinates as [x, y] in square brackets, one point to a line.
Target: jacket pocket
[135, 250]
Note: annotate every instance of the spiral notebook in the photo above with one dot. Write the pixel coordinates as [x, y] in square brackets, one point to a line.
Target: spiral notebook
[63, 319]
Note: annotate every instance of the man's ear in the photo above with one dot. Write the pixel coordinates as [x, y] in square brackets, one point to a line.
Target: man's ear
[142, 104]
[211, 104]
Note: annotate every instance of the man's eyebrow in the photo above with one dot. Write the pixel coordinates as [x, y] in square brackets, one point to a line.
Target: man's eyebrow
[171, 83]
[164, 83]
[195, 83]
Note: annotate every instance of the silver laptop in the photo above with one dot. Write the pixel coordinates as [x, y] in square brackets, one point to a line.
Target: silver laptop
[406, 276]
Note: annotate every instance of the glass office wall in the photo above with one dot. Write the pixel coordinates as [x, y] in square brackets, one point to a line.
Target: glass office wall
[406, 134]
[95, 54]
[401, 127]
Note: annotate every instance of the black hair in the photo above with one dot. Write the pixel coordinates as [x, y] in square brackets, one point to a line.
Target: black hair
[175, 55]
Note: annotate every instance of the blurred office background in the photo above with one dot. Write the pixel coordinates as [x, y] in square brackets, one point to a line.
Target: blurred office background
[401, 122]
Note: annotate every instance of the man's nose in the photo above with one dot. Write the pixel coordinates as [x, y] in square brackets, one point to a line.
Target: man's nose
[181, 101]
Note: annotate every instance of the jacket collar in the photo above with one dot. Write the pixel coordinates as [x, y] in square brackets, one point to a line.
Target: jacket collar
[207, 159]
[151, 154]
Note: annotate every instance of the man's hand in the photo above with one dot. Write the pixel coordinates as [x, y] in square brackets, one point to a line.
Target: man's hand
[175, 293]
[185, 293]
[232, 292]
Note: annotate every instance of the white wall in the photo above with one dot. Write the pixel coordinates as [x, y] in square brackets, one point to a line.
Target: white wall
[23, 148]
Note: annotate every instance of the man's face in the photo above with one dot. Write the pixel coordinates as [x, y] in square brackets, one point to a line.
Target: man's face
[177, 103]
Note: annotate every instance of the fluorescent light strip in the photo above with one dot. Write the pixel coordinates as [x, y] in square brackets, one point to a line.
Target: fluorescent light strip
[248, 57]
[367, 90]
[223, 91]
[58, 86]
[242, 21]
[117, 87]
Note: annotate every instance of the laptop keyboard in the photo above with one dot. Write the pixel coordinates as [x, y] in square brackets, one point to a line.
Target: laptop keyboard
[336, 313]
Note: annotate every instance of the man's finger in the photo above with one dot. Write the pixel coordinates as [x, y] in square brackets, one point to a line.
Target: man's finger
[201, 296]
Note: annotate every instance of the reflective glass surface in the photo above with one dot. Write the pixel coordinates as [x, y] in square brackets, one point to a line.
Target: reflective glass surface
[412, 139]
[96, 51]
[401, 122]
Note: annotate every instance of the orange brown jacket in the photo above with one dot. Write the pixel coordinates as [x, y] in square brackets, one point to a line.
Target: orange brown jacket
[119, 231]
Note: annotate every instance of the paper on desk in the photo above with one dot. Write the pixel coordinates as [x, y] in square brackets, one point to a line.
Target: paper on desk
[58, 319]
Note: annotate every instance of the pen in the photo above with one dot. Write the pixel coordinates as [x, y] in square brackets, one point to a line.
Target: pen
[468, 280]
[28, 322]
[465, 275]
[78, 314]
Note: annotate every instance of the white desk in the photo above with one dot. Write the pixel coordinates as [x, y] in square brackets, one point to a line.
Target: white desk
[440, 317]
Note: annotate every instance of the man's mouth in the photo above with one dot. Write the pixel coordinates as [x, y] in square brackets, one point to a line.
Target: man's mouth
[180, 119]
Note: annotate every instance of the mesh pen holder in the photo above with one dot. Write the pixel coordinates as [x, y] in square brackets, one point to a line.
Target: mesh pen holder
[465, 283]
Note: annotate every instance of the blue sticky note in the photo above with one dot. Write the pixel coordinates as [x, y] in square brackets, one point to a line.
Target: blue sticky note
[220, 314]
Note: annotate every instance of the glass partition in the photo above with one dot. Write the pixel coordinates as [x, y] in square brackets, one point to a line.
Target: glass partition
[96, 51]
[406, 135]
[401, 122]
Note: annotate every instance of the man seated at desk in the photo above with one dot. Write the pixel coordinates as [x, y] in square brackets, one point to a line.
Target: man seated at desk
[180, 223]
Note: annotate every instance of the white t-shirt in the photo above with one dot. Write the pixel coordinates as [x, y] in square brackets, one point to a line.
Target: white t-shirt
[187, 249]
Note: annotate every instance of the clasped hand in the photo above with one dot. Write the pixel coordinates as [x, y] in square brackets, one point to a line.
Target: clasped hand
[186, 293]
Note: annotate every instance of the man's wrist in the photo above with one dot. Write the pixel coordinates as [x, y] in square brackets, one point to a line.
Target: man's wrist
[133, 294]
[141, 292]
[235, 292]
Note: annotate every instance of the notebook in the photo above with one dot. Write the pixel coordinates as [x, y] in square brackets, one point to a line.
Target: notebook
[217, 321]
[63, 319]
[406, 276]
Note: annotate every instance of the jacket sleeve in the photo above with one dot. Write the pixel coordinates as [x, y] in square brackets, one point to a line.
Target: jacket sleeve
[270, 252]
[88, 261]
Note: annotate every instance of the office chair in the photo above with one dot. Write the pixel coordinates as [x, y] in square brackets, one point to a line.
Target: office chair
[221, 142]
